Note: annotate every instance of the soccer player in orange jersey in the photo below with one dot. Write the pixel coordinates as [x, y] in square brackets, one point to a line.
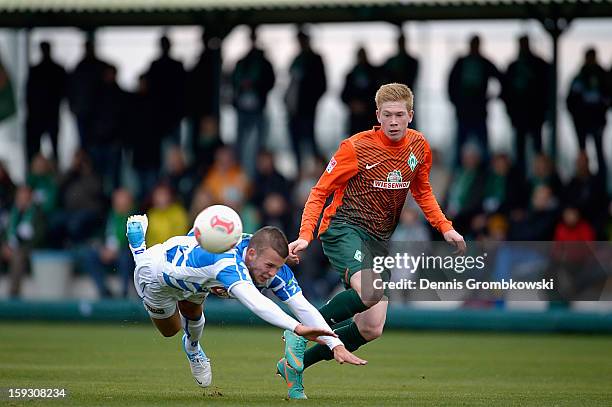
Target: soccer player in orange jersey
[369, 176]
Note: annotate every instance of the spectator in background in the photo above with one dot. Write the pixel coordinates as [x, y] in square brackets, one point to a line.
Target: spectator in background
[226, 181]
[209, 142]
[43, 181]
[201, 200]
[252, 80]
[84, 87]
[307, 179]
[25, 231]
[143, 140]
[203, 99]
[82, 203]
[572, 228]
[587, 193]
[412, 227]
[467, 88]
[276, 211]
[359, 86]
[504, 186]
[166, 83]
[108, 130]
[114, 252]
[178, 175]
[537, 224]
[526, 90]
[467, 188]
[268, 180]
[439, 176]
[167, 216]
[588, 101]
[543, 172]
[45, 89]
[401, 68]
[306, 86]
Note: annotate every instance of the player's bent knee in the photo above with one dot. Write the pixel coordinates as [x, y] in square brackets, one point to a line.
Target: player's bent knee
[371, 332]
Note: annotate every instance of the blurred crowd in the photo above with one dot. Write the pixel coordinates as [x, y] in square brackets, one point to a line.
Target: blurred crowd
[488, 195]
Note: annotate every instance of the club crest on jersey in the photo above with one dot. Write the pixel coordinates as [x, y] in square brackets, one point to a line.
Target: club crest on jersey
[412, 162]
[394, 181]
[331, 165]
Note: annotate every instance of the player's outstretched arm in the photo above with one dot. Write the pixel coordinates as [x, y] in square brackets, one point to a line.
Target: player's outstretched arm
[264, 308]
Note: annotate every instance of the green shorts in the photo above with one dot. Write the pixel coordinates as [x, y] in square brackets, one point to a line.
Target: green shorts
[350, 249]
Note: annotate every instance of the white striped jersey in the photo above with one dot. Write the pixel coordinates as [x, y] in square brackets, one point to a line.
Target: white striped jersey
[188, 267]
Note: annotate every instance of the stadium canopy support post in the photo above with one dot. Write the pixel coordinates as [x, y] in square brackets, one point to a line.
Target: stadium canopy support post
[555, 26]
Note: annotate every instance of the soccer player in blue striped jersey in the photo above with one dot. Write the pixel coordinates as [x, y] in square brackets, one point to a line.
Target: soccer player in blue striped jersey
[180, 273]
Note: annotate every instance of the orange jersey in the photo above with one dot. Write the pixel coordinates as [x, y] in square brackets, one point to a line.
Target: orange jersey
[370, 177]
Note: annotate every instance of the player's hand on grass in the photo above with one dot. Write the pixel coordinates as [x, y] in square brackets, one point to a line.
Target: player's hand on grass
[344, 356]
[295, 248]
[312, 333]
[456, 240]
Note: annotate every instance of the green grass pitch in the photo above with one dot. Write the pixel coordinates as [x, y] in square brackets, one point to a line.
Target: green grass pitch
[131, 364]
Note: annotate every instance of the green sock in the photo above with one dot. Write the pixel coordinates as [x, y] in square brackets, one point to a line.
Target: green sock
[343, 306]
[349, 335]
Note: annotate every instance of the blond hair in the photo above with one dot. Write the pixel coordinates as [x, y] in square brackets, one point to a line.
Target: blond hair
[394, 92]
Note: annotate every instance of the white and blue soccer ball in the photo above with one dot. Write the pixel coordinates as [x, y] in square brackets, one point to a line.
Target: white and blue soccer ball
[217, 228]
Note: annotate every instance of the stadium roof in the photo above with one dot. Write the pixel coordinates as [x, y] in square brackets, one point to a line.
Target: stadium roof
[31, 13]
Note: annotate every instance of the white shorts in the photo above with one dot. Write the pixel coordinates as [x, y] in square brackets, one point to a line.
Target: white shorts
[159, 300]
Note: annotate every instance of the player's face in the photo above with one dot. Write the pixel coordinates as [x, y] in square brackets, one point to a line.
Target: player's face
[263, 265]
[394, 118]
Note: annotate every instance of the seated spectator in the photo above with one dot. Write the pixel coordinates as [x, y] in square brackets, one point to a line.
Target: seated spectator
[167, 216]
[587, 193]
[114, 252]
[268, 180]
[226, 181]
[43, 181]
[467, 188]
[178, 175]
[206, 144]
[537, 224]
[82, 203]
[572, 228]
[543, 172]
[276, 211]
[200, 201]
[503, 189]
[307, 179]
[497, 228]
[25, 231]
[439, 176]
